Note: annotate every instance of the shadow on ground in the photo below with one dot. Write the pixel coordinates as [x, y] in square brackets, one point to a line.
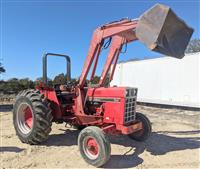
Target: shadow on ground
[11, 149]
[6, 107]
[158, 144]
[68, 138]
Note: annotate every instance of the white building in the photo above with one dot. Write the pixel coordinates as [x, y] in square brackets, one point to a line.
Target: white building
[164, 80]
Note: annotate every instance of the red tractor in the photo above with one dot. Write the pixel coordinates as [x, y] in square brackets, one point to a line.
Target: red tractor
[100, 110]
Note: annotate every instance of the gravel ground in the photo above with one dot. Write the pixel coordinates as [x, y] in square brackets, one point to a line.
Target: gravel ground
[174, 143]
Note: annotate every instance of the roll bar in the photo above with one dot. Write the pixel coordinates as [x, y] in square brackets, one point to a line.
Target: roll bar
[68, 68]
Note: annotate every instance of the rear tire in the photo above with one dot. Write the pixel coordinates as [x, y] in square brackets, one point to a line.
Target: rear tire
[94, 146]
[32, 117]
[143, 134]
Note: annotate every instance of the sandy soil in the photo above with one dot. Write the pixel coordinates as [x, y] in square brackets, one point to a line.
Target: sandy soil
[174, 143]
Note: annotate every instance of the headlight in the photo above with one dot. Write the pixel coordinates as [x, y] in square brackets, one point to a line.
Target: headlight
[127, 93]
[131, 92]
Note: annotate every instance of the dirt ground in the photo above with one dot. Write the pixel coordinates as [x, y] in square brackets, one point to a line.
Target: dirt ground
[174, 143]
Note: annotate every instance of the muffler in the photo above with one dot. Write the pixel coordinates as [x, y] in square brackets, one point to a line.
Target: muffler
[161, 30]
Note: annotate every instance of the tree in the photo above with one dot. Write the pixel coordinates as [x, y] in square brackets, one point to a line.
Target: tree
[2, 70]
[193, 46]
[12, 86]
[60, 79]
[95, 80]
[26, 83]
[39, 80]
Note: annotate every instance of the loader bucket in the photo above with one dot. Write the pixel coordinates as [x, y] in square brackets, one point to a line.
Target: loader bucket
[162, 31]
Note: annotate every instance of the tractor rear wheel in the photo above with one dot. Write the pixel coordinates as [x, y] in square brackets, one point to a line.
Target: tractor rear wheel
[145, 132]
[94, 146]
[32, 117]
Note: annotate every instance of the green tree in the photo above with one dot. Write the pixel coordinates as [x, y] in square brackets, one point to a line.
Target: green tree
[12, 86]
[60, 79]
[2, 70]
[26, 83]
[40, 80]
[95, 80]
[15, 85]
[2, 86]
[193, 46]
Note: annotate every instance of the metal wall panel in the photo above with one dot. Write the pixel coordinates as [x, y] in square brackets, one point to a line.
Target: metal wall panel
[163, 80]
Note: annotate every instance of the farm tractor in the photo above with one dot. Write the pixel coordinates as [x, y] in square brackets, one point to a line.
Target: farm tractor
[99, 110]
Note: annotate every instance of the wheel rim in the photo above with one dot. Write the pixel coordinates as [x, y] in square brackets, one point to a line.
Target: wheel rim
[25, 118]
[91, 147]
[140, 132]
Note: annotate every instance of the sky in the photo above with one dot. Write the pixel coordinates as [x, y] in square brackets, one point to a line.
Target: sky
[31, 28]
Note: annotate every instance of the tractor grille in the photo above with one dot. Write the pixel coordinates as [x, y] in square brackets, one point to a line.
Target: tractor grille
[130, 105]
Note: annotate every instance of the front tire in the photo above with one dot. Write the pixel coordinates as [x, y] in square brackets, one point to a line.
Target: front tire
[32, 117]
[145, 132]
[94, 146]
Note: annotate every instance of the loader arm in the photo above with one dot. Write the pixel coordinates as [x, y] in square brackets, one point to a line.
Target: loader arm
[121, 31]
[158, 28]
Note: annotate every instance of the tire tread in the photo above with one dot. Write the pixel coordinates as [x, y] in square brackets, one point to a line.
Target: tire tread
[42, 115]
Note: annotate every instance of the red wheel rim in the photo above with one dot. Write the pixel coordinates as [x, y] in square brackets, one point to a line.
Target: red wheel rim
[28, 117]
[25, 118]
[140, 132]
[91, 147]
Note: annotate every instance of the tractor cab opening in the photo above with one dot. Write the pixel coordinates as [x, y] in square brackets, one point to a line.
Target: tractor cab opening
[63, 91]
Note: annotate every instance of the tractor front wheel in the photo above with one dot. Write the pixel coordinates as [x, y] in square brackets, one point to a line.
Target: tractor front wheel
[32, 117]
[145, 132]
[94, 146]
